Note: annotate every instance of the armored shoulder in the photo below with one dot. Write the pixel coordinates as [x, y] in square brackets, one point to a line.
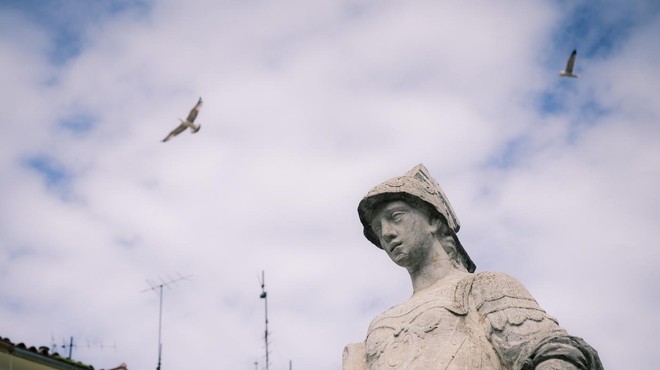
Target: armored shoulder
[493, 291]
[515, 324]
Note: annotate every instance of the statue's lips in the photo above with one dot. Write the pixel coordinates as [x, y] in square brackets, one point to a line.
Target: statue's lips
[395, 246]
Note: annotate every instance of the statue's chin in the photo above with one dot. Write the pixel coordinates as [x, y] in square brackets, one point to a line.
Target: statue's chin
[401, 259]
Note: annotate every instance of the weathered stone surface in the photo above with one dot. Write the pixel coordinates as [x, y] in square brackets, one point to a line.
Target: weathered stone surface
[455, 319]
[353, 357]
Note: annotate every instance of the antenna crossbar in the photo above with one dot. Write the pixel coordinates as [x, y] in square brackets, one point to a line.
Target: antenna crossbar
[157, 287]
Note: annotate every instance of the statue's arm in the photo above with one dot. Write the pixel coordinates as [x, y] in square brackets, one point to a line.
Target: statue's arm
[354, 357]
[555, 364]
[524, 336]
[563, 352]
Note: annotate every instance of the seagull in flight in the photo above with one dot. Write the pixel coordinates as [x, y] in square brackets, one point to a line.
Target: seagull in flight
[568, 72]
[188, 123]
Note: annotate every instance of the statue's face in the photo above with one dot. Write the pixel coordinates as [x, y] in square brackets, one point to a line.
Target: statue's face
[405, 232]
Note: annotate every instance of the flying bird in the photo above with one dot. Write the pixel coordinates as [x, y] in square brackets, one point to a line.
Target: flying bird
[568, 72]
[188, 123]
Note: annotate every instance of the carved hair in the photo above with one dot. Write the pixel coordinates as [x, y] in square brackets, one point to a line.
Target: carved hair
[448, 240]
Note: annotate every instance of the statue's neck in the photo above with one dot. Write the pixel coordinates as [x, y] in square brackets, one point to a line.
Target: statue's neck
[438, 268]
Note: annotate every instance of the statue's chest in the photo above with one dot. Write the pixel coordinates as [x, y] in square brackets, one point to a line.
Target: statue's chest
[424, 333]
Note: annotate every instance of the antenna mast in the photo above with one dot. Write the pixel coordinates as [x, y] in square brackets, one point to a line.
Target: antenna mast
[70, 347]
[54, 346]
[64, 345]
[264, 296]
[158, 288]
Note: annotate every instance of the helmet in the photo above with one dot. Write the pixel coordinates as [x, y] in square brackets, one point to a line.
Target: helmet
[416, 185]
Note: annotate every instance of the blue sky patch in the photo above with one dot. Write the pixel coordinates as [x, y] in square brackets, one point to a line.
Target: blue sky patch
[67, 22]
[509, 155]
[597, 29]
[550, 102]
[79, 123]
[589, 115]
[53, 173]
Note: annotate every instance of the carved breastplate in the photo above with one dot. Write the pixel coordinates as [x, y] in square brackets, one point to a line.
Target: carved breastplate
[428, 332]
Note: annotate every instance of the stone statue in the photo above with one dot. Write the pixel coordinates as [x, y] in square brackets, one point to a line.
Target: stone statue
[455, 319]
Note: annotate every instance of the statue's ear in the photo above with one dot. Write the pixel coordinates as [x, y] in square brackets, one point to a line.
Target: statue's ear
[450, 248]
[436, 224]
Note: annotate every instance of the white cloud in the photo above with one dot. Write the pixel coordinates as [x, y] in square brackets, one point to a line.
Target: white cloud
[307, 106]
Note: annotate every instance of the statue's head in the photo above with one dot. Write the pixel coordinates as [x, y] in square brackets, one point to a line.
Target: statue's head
[420, 190]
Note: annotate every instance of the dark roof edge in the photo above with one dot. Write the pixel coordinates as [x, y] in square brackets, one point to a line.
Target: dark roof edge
[53, 360]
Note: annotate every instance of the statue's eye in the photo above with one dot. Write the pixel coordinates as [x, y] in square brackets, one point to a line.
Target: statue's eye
[396, 216]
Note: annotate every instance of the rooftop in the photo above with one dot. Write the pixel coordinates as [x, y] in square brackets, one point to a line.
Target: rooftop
[43, 357]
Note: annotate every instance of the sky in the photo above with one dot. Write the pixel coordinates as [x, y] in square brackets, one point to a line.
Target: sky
[307, 105]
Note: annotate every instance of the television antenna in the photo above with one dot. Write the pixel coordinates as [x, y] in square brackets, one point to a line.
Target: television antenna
[264, 296]
[73, 344]
[157, 287]
[64, 345]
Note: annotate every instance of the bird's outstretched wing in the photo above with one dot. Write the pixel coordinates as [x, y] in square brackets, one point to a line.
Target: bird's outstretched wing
[571, 62]
[193, 112]
[181, 128]
[187, 123]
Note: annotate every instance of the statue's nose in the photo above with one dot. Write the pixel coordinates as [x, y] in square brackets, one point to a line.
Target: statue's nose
[388, 232]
